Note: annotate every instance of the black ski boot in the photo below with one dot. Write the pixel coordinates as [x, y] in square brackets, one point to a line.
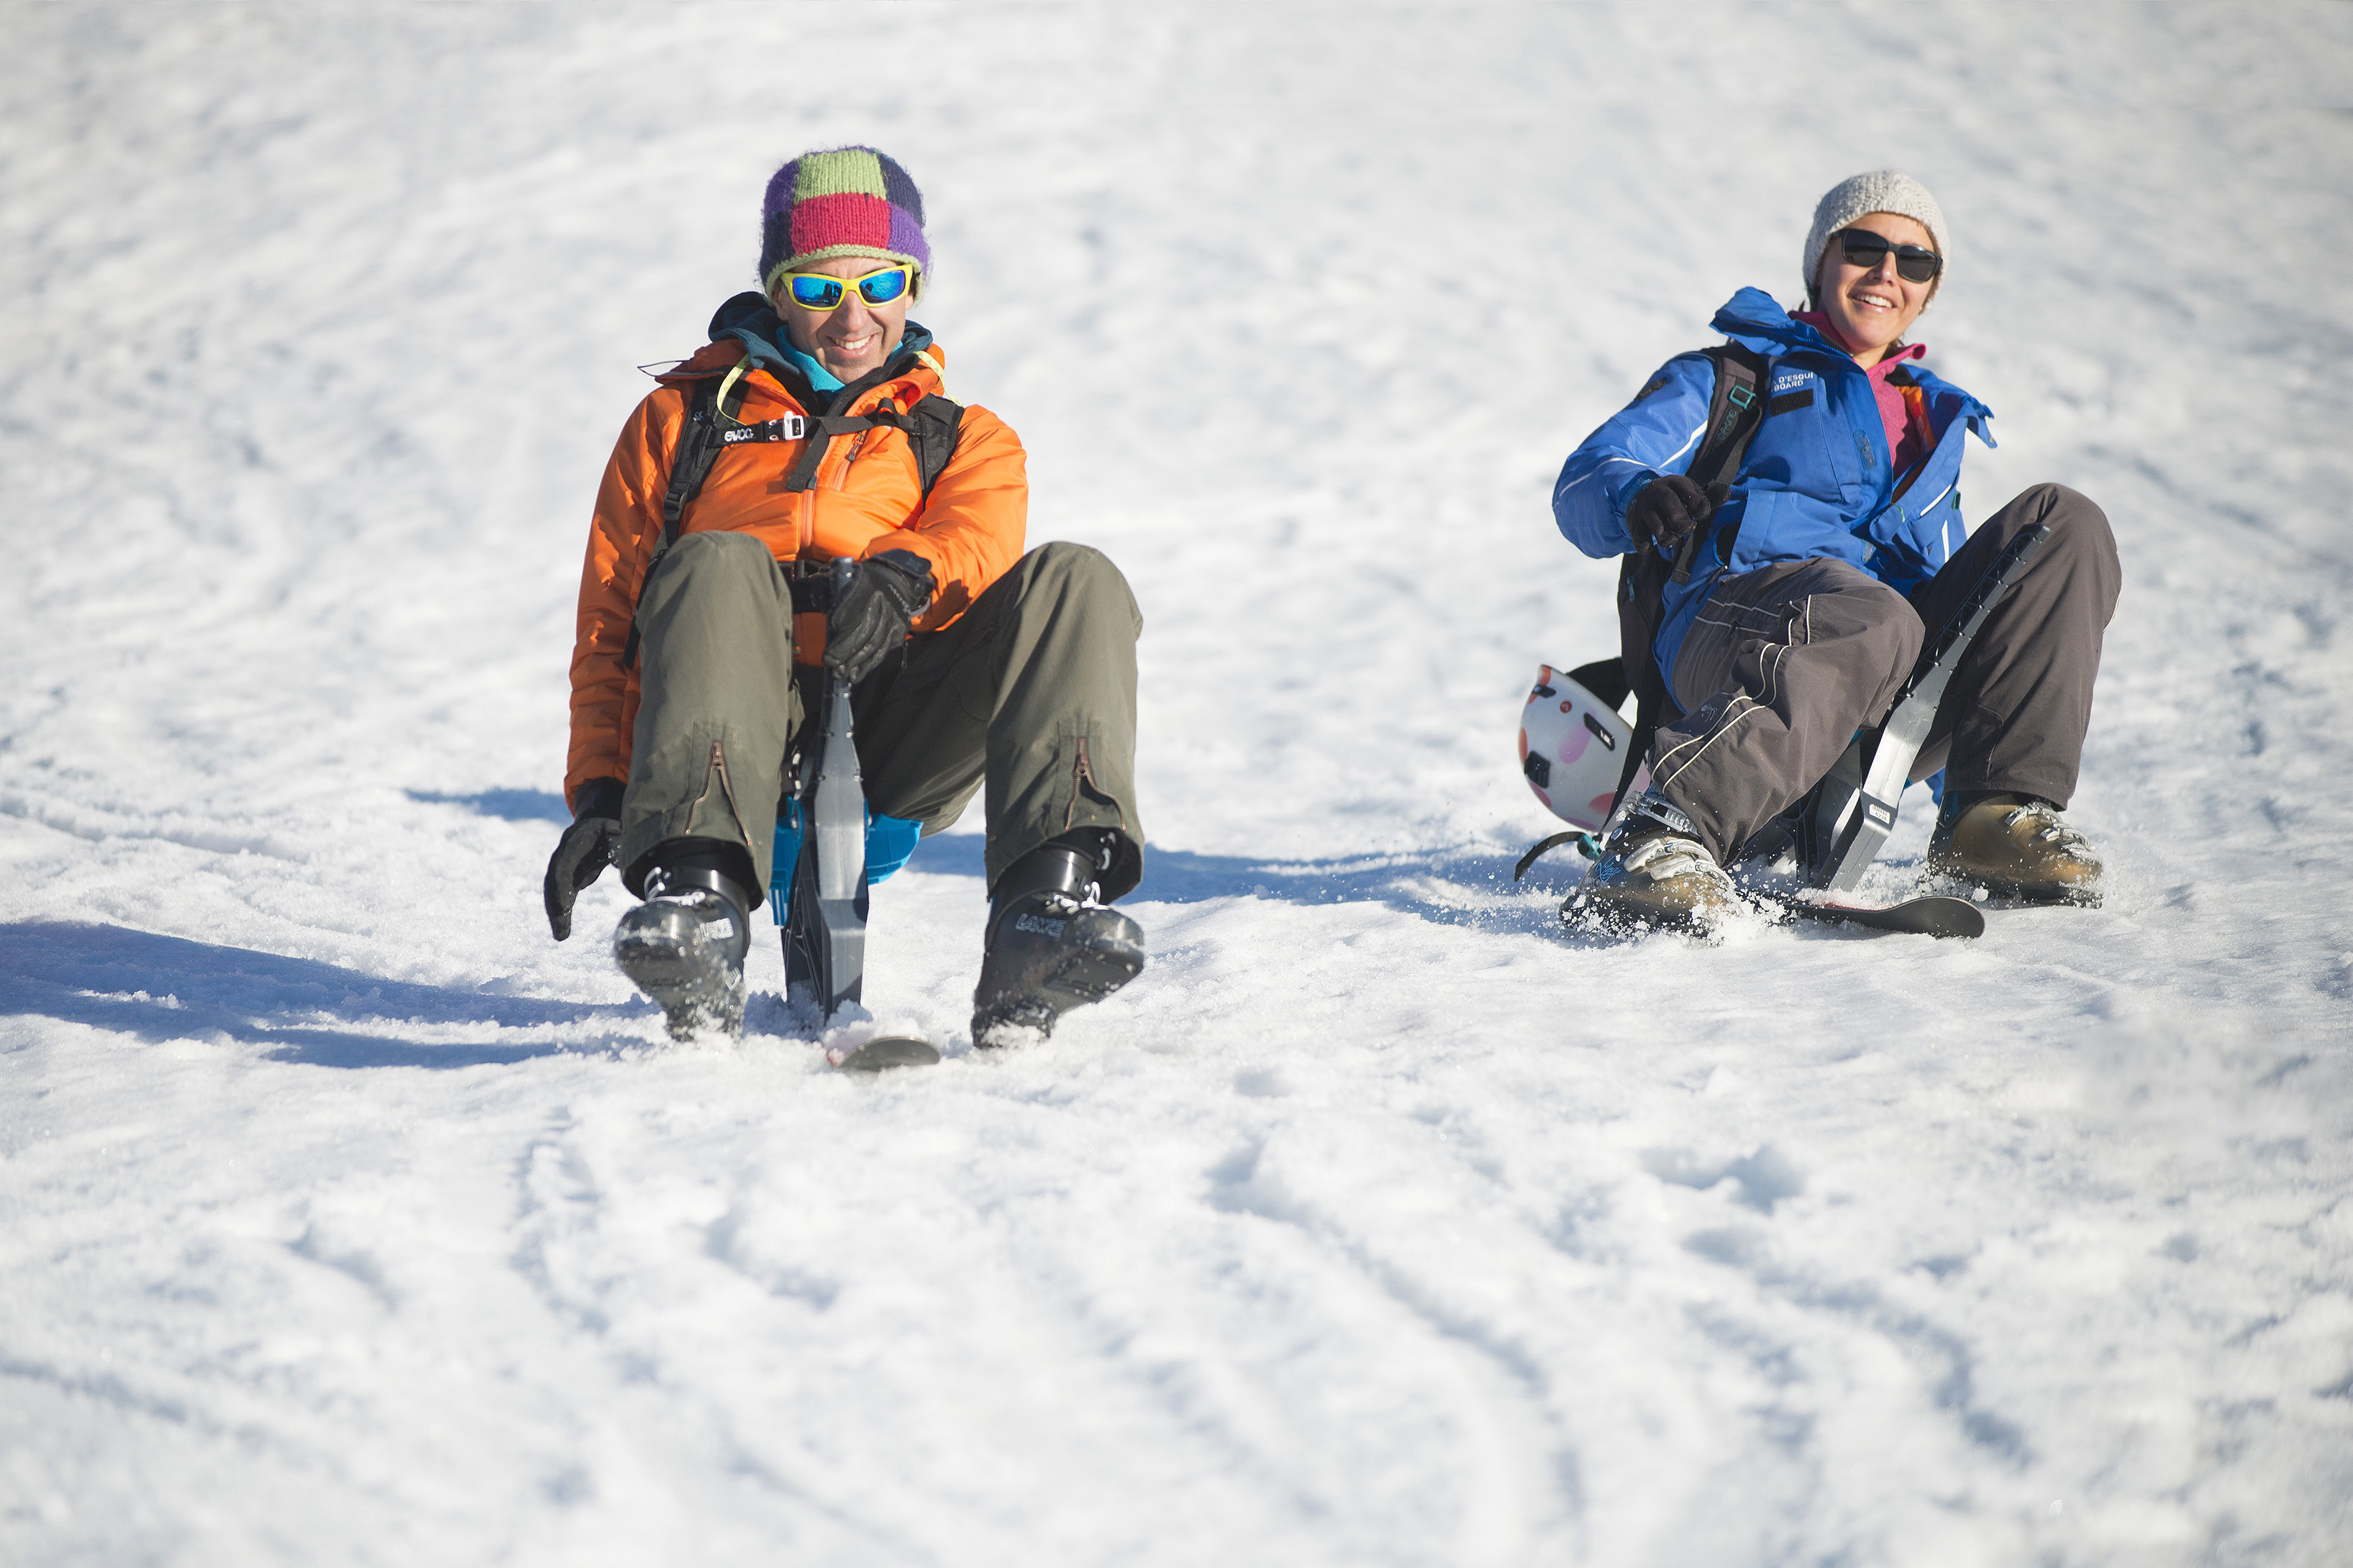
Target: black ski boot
[684, 946]
[1050, 948]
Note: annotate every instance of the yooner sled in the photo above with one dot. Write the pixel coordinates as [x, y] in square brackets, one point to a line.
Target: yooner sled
[837, 849]
[1572, 737]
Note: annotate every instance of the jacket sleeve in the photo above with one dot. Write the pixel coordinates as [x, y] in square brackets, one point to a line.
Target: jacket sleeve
[1658, 433]
[621, 538]
[973, 526]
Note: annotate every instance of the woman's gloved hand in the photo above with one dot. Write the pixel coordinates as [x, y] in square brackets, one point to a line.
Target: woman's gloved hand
[1665, 511]
[587, 846]
[871, 615]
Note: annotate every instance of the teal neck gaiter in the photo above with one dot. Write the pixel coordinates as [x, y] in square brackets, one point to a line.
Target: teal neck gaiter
[819, 378]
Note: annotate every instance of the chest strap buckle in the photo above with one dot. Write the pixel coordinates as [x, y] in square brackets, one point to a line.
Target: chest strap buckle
[791, 427]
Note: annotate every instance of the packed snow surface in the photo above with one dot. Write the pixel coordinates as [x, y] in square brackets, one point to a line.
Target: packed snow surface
[344, 1217]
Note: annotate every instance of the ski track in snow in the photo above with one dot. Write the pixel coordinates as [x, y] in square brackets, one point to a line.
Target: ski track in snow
[349, 1219]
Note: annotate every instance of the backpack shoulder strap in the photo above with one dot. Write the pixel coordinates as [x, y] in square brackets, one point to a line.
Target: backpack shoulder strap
[1734, 409]
[711, 403]
[935, 425]
[698, 449]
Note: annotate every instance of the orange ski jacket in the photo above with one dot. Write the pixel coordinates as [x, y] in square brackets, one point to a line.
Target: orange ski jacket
[866, 497]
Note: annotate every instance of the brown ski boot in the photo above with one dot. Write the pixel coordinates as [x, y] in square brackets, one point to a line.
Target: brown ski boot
[2016, 847]
[1654, 875]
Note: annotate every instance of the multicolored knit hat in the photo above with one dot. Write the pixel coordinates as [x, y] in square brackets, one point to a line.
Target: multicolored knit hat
[843, 201]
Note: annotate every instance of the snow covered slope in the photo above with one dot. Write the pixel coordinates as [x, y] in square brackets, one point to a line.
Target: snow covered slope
[344, 1217]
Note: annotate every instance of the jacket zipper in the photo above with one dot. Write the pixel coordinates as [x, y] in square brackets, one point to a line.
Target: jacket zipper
[804, 529]
[858, 442]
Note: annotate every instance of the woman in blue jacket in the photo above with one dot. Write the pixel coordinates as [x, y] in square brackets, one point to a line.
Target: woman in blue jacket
[1834, 546]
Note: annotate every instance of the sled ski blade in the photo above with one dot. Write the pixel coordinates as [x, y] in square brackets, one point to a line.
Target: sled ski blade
[825, 935]
[837, 830]
[890, 1051]
[1935, 915]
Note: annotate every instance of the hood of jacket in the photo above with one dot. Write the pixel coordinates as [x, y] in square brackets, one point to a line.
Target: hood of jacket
[1753, 319]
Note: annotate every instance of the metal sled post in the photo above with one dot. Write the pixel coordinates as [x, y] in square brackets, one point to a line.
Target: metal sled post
[1851, 813]
[825, 933]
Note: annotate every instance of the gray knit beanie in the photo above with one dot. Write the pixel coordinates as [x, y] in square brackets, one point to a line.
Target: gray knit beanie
[1881, 191]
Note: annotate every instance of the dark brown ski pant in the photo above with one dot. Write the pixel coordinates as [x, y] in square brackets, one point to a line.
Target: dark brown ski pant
[1785, 663]
[1032, 688]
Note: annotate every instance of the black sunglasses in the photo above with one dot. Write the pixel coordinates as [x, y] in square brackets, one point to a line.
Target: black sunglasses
[1913, 263]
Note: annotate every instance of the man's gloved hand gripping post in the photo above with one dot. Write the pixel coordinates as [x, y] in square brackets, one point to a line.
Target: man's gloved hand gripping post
[970, 663]
[875, 616]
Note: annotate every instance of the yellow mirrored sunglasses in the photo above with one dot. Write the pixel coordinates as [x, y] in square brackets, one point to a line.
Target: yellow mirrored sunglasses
[820, 291]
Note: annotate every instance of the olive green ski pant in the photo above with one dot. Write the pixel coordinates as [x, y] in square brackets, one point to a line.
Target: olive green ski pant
[1032, 689]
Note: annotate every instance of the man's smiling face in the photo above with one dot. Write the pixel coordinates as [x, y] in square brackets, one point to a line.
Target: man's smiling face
[854, 337]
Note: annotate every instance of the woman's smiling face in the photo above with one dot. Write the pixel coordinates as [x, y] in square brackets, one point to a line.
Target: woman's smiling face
[1872, 308]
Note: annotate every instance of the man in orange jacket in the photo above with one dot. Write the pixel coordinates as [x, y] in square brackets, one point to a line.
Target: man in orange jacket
[814, 429]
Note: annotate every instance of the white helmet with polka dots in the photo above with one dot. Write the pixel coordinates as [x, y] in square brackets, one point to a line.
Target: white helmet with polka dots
[1573, 751]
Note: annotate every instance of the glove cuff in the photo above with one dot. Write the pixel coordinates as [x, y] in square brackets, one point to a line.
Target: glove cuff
[598, 798]
[915, 569]
[1623, 497]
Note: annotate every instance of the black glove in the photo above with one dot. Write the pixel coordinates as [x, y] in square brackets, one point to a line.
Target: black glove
[1665, 511]
[873, 613]
[587, 846]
